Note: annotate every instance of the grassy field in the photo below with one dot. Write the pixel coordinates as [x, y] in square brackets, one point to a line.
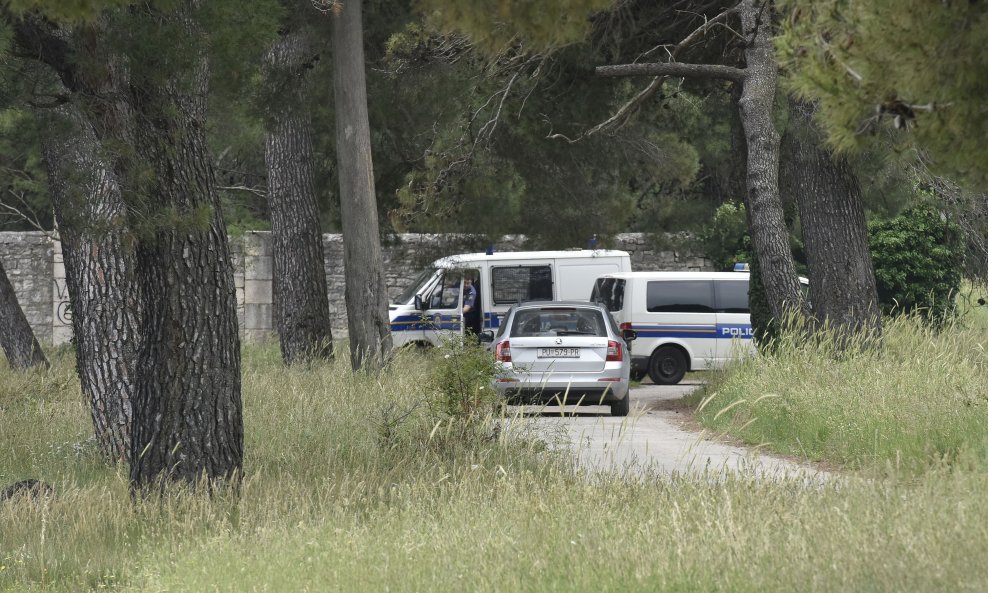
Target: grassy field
[917, 398]
[352, 486]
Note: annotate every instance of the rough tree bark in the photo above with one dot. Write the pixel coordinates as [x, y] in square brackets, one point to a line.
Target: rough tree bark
[187, 411]
[769, 234]
[842, 278]
[301, 305]
[188, 421]
[16, 336]
[99, 273]
[366, 286]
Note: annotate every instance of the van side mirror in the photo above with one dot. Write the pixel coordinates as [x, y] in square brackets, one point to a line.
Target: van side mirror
[629, 335]
[420, 305]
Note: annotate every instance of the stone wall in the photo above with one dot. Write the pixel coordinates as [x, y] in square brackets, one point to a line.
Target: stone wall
[28, 259]
[34, 263]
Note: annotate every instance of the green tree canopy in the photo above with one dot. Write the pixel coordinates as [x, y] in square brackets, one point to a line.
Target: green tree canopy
[911, 69]
[540, 26]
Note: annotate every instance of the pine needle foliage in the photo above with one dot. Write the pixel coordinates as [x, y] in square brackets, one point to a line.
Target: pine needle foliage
[493, 26]
[909, 68]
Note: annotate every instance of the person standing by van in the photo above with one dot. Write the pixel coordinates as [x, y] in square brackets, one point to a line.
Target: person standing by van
[471, 308]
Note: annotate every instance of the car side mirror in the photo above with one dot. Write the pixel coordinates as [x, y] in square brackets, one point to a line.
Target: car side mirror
[629, 335]
[486, 337]
[419, 303]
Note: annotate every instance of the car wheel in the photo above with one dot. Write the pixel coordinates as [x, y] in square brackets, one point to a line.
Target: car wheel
[638, 375]
[622, 407]
[667, 365]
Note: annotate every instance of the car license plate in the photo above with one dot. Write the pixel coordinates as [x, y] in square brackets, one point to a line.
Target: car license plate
[559, 353]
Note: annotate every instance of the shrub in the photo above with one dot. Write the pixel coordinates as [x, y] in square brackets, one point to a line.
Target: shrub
[725, 240]
[461, 380]
[918, 258]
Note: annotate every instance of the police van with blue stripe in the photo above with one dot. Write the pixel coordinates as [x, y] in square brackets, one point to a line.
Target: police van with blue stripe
[431, 307]
[685, 321]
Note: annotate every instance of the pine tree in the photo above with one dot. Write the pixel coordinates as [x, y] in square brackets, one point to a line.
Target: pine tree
[908, 71]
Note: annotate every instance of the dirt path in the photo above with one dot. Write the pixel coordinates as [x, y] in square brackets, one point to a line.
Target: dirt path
[658, 436]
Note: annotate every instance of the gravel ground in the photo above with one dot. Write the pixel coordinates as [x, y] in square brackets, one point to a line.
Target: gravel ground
[658, 437]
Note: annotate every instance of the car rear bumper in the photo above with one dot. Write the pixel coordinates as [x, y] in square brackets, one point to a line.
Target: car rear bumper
[588, 394]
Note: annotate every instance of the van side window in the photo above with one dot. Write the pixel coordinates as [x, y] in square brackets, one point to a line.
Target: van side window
[731, 296]
[609, 291]
[521, 283]
[680, 296]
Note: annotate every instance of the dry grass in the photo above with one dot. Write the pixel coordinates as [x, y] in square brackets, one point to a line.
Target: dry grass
[342, 496]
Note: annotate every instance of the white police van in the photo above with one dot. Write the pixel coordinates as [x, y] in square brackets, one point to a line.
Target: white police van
[685, 321]
[432, 305]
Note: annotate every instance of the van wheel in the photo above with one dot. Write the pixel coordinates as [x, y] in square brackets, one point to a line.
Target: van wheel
[667, 365]
[623, 407]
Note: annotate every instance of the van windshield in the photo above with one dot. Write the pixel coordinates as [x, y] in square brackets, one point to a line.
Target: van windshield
[418, 285]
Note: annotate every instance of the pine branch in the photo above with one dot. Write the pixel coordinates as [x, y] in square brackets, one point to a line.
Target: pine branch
[24, 214]
[622, 114]
[630, 107]
[257, 192]
[674, 69]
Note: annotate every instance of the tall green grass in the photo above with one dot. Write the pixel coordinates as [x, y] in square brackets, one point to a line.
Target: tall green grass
[916, 398]
[353, 484]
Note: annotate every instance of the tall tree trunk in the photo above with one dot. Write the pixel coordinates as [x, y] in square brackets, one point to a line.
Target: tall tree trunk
[301, 304]
[366, 286]
[16, 336]
[99, 273]
[842, 278]
[187, 411]
[756, 105]
[188, 422]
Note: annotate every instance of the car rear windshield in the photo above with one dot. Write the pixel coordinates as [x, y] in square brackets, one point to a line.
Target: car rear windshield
[558, 321]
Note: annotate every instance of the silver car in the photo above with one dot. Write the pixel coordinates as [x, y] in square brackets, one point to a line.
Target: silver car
[568, 352]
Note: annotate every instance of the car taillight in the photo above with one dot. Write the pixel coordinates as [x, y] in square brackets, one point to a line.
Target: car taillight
[503, 352]
[614, 351]
[626, 325]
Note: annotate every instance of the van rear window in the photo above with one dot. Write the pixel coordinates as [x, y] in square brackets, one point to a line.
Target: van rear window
[609, 291]
[680, 296]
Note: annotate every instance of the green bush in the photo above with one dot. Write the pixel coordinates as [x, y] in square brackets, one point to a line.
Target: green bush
[461, 380]
[725, 240]
[918, 258]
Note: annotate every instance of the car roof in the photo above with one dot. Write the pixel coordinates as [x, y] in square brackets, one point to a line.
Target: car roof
[548, 304]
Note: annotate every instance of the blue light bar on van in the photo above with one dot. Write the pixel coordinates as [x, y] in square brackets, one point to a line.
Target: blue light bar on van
[741, 267]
